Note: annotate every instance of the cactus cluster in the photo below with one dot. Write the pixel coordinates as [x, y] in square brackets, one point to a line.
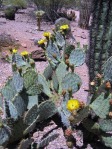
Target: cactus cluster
[21, 105]
[29, 99]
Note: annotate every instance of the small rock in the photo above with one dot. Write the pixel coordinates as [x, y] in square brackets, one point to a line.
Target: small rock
[24, 45]
[83, 36]
[17, 39]
[32, 39]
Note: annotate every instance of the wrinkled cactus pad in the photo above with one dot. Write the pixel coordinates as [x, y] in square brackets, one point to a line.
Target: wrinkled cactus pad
[71, 81]
[77, 57]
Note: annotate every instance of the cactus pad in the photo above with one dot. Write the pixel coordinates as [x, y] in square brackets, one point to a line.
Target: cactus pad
[16, 58]
[4, 135]
[48, 72]
[35, 89]
[101, 105]
[107, 140]
[51, 50]
[46, 110]
[18, 81]
[8, 90]
[32, 100]
[71, 80]
[107, 69]
[60, 39]
[42, 80]
[30, 78]
[55, 82]
[60, 73]
[81, 115]
[77, 57]
[10, 110]
[31, 115]
[106, 125]
[19, 105]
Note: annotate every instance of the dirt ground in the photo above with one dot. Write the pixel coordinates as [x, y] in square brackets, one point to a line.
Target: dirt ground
[24, 30]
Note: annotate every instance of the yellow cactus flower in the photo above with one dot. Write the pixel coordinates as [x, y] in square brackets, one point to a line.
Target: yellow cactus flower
[14, 51]
[24, 53]
[41, 41]
[64, 27]
[47, 34]
[73, 104]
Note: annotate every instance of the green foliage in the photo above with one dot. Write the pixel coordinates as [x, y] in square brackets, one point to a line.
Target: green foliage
[10, 12]
[52, 7]
[19, 3]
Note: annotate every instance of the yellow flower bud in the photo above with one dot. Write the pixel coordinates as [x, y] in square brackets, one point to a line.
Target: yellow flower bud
[24, 53]
[47, 34]
[41, 41]
[14, 51]
[64, 27]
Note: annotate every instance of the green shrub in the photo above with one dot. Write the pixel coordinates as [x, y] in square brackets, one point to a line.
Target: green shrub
[19, 3]
[10, 12]
[52, 7]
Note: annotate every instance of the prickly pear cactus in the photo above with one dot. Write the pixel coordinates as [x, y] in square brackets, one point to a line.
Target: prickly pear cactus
[31, 99]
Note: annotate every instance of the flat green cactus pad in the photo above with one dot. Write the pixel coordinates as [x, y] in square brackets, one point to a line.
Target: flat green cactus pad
[31, 115]
[4, 135]
[32, 100]
[77, 57]
[11, 110]
[46, 89]
[51, 50]
[101, 105]
[48, 72]
[60, 73]
[19, 105]
[18, 81]
[35, 89]
[31, 127]
[46, 110]
[17, 58]
[107, 140]
[60, 39]
[30, 78]
[71, 80]
[107, 69]
[106, 125]
[9, 91]
[55, 82]
[81, 115]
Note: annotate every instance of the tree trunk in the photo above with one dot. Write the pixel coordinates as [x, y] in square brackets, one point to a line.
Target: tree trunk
[85, 12]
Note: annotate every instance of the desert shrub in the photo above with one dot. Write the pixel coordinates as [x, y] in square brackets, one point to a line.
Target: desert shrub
[19, 3]
[52, 7]
[10, 12]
